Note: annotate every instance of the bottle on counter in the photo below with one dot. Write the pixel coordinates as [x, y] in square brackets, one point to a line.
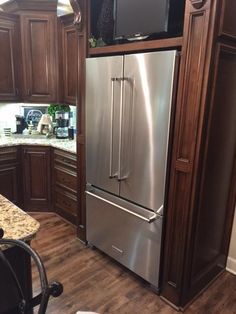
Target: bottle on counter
[71, 132]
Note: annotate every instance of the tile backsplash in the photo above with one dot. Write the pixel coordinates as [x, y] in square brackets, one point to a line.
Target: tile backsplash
[8, 111]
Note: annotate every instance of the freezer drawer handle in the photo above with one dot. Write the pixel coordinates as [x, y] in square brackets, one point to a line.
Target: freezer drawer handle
[149, 220]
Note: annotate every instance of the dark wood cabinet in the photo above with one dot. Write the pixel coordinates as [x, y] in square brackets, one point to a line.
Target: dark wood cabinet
[227, 19]
[9, 60]
[65, 184]
[39, 53]
[36, 177]
[27, 179]
[202, 190]
[10, 178]
[69, 43]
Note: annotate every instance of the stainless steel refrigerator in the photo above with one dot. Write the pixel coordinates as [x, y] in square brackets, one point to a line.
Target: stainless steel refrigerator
[128, 108]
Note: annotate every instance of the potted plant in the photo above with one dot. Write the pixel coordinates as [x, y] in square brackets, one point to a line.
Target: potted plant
[57, 107]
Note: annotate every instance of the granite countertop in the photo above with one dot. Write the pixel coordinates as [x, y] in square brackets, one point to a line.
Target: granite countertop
[16, 224]
[14, 140]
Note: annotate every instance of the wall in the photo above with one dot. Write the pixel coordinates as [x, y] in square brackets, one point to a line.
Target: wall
[231, 264]
[7, 115]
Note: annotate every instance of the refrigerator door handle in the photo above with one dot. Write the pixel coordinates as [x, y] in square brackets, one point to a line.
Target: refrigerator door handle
[120, 128]
[111, 174]
[121, 177]
[149, 220]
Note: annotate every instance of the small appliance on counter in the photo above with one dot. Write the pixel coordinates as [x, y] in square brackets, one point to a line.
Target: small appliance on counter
[20, 124]
[45, 124]
[62, 121]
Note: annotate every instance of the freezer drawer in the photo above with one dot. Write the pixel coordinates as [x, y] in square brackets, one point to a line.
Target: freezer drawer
[127, 236]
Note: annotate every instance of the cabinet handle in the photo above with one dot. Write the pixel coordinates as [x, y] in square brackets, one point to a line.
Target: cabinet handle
[17, 91]
[28, 92]
[66, 161]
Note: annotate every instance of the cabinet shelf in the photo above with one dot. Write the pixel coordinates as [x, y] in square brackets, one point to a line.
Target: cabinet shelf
[137, 46]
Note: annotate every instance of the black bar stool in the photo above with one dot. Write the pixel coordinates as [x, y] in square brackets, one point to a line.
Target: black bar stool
[12, 300]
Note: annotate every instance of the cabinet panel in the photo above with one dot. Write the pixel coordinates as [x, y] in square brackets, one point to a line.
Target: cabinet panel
[65, 160]
[8, 60]
[185, 168]
[70, 62]
[66, 179]
[66, 204]
[65, 185]
[39, 57]
[227, 22]
[8, 182]
[8, 155]
[214, 205]
[37, 178]
[10, 178]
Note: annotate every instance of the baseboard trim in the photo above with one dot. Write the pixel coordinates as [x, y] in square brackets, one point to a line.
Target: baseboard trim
[231, 265]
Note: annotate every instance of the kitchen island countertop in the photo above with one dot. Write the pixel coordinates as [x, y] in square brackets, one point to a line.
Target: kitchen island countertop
[67, 145]
[16, 224]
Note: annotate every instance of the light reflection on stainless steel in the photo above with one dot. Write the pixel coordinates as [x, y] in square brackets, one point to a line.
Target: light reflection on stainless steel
[137, 242]
[127, 128]
[152, 74]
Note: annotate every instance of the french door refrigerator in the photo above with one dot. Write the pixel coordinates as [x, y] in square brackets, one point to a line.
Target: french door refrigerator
[128, 108]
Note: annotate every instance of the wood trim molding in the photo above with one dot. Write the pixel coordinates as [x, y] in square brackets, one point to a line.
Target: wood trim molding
[15, 6]
[227, 26]
[191, 100]
[197, 4]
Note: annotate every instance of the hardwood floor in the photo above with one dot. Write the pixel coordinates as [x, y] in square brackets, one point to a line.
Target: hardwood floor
[94, 282]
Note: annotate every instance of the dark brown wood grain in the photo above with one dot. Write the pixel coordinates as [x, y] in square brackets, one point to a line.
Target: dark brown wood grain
[65, 184]
[16, 6]
[10, 174]
[185, 147]
[94, 282]
[215, 201]
[9, 42]
[37, 177]
[199, 213]
[137, 46]
[40, 68]
[70, 59]
[227, 20]
[82, 54]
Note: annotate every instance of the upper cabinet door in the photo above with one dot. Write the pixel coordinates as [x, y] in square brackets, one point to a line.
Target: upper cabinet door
[70, 62]
[39, 57]
[8, 54]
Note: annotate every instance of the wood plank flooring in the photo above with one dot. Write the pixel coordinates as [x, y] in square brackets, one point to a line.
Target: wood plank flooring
[94, 282]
